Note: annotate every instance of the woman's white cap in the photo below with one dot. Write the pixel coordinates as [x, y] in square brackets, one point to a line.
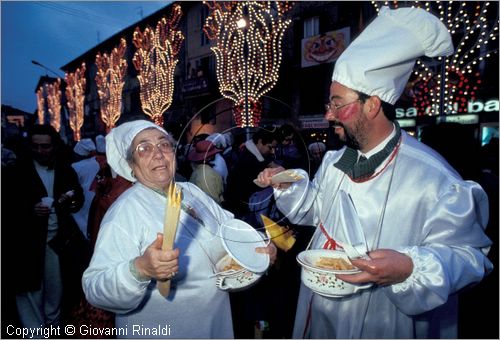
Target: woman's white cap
[380, 60]
[119, 140]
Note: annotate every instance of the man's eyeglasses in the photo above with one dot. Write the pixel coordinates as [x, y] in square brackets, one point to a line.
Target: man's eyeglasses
[146, 149]
[332, 107]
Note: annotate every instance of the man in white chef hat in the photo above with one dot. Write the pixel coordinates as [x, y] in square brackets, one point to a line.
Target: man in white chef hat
[420, 223]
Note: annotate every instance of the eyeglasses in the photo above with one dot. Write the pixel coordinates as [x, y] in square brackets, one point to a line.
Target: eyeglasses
[332, 107]
[146, 149]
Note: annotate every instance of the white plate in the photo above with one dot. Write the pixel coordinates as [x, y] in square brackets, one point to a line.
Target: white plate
[287, 176]
[240, 240]
[234, 280]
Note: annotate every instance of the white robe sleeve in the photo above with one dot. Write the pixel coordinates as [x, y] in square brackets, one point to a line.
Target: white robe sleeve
[108, 282]
[451, 254]
[302, 202]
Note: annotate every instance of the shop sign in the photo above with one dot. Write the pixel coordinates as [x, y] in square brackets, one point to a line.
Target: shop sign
[313, 123]
[462, 119]
[406, 122]
[472, 107]
[195, 85]
[324, 48]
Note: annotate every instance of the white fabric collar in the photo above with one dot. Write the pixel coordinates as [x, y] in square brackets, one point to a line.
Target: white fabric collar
[380, 146]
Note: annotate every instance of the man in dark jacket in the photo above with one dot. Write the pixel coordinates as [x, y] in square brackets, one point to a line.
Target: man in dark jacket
[50, 250]
[257, 154]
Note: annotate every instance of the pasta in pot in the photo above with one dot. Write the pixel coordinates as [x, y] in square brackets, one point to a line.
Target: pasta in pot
[232, 265]
[334, 263]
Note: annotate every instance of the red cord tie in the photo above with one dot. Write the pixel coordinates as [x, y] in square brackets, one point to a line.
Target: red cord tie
[330, 242]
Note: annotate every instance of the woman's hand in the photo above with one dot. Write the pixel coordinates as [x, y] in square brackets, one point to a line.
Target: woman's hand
[270, 249]
[386, 267]
[157, 263]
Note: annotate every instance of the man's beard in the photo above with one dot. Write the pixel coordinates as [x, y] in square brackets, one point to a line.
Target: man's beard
[351, 140]
[351, 136]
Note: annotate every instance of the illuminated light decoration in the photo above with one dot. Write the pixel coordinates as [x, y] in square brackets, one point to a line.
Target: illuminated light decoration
[40, 102]
[75, 95]
[54, 103]
[110, 79]
[155, 61]
[255, 106]
[247, 36]
[473, 26]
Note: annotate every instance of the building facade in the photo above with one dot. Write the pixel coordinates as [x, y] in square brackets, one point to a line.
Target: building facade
[317, 34]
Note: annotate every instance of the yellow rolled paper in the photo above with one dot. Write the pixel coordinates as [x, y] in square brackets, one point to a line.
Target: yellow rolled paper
[282, 237]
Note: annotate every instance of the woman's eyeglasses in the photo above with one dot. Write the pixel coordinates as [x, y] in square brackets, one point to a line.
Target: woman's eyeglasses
[146, 149]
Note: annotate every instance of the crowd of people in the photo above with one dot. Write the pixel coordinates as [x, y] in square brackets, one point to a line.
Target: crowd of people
[86, 225]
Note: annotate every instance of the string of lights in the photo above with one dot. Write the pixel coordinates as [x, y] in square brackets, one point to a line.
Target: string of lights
[75, 95]
[40, 102]
[155, 61]
[445, 86]
[247, 36]
[54, 103]
[110, 79]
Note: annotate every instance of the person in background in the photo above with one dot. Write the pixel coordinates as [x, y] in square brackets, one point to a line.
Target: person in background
[316, 152]
[128, 259]
[106, 189]
[423, 224]
[184, 167]
[219, 163]
[204, 176]
[253, 305]
[108, 186]
[43, 192]
[227, 153]
[291, 151]
[8, 157]
[86, 169]
[257, 154]
[100, 144]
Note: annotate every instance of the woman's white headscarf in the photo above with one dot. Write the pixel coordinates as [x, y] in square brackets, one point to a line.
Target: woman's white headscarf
[118, 142]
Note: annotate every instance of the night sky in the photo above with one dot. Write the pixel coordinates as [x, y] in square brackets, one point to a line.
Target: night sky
[53, 33]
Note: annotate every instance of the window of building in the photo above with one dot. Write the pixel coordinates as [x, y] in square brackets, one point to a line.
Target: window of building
[203, 17]
[311, 27]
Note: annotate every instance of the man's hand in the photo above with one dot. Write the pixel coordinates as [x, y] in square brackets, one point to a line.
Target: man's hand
[41, 210]
[157, 263]
[386, 267]
[265, 177]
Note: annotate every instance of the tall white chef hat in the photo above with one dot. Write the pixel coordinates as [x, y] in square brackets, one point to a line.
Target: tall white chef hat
[118, 142]
[380, 60]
